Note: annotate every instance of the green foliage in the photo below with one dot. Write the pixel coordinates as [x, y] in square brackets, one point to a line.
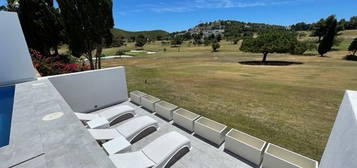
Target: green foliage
[57, 64]
[353, 47]
[87, 25]
[236, 29]
[274, 41]
[140, 41]
[121, 52]
[299, 48]
[177, 40]
[352, 24]
[153, 35]
[215, 46]
[302, 26]
[328, 39]
[197, 38]
[41, 24]
[319, 29]
[118, 41]
[219, 37]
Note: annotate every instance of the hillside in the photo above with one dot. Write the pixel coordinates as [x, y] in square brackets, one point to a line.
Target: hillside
[153, 34]
[231, 28]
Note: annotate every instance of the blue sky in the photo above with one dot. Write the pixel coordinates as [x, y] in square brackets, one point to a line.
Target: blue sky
[176, 15]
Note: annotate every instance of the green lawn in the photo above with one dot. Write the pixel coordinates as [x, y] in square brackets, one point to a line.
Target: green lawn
[291, 106]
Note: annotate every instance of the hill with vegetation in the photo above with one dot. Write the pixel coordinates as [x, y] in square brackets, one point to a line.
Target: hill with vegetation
[152, 34]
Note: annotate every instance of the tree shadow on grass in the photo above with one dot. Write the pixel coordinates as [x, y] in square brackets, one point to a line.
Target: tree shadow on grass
[270, 63]
[350, 58]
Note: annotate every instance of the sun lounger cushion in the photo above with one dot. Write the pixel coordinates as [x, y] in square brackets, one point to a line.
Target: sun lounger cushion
[131, 160]
[109, 113]
[162, 149]
[136, 125]
[113, 112]
[129, 130]
[158, 153]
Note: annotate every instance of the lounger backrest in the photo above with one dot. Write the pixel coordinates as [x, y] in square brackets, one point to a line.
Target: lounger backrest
[135, 125]
[92, 90]
[164, 147]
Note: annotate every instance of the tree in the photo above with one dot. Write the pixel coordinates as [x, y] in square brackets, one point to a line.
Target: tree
[353, 47]
[342, 24]
[41, 24]
[352, 24]
[176, 41]
[219, 37]
[328, 39]
[270, 42]
[103, 23]
[140, 41]
[11, 5]
[197, 39]
[215, 46]
[87, 25]
[187, 36]
[319, 29]
[118, 41]
[302, 26]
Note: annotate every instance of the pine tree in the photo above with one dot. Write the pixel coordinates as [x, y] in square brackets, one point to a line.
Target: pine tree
[41, 24]
[87, 25]
[328, 39]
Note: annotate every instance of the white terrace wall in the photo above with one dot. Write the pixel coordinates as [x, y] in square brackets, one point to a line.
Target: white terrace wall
[92, 90]
[341, 148]
[16, 65]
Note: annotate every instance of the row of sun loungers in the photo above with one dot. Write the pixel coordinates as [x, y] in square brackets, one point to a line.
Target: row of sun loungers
[253, 149]
[117, 140]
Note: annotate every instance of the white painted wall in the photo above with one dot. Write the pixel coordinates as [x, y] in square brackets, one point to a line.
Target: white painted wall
[341, 148]
[92, 90]
[15, 60]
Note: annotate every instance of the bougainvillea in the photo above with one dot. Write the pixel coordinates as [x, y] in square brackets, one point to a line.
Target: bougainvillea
[56, 64]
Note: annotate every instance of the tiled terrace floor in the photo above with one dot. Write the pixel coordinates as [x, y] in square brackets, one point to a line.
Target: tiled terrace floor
[64, 142]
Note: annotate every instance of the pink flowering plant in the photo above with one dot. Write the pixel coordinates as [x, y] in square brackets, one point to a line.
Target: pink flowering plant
[56, 64]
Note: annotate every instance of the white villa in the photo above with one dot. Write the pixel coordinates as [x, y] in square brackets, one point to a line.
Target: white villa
[90, 119]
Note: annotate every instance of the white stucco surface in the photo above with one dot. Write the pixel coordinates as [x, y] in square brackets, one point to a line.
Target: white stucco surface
[341, 148]
[16, 65]
[92, 90]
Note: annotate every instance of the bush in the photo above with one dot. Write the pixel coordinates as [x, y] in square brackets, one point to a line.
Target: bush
[353, 47]
[299, 48]
[56, 64]
[350, 58]
[215, 46]
[121, 52]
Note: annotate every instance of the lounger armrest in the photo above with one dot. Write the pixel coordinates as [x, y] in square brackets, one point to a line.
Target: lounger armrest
[104, 134]
[131, 160]
[86, 117]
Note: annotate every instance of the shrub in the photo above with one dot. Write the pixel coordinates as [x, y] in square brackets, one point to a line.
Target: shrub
[299, 48]
[215, 46]
[57, 64]
[353, 47]
[121, 52]
[350, 58]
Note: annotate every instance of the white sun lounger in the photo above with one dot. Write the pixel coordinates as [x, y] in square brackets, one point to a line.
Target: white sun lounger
[129, 129]
[112, 114]
[156, 154]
